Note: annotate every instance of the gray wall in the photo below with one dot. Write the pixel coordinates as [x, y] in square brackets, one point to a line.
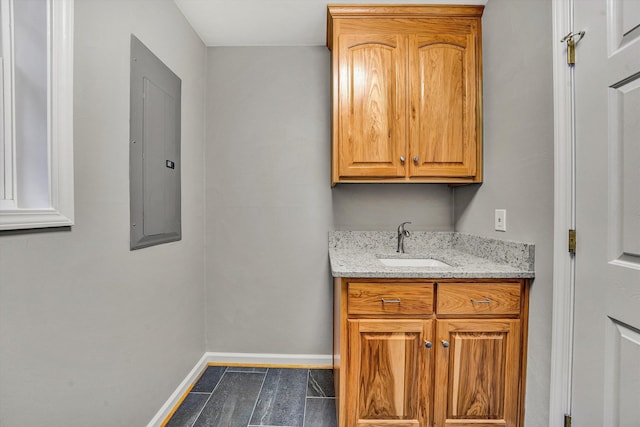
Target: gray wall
[518, 163]
[270, 206]
[92, 334]
[384, 206]
[268, 201]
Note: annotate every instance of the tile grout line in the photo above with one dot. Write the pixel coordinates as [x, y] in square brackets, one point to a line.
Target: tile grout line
[320, 389]
[258, 397]
[210, 395]
[306, 396]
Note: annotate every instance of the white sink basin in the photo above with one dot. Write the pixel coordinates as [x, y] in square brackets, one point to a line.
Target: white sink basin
[412, 262]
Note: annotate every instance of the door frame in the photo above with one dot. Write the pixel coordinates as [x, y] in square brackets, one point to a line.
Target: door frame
[564, 218]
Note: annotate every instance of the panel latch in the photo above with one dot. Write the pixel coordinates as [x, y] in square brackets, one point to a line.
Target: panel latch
[572, 40]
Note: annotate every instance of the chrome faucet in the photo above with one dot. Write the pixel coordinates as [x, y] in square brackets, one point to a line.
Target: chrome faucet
[402, 233]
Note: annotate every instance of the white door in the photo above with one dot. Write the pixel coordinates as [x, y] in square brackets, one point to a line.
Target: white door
[606, 360]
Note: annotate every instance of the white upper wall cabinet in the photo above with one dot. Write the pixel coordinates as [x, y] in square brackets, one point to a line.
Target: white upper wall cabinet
[36, 114]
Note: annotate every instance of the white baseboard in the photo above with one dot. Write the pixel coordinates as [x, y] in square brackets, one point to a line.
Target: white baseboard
[175, 397]
[302, 360]
[309, 360]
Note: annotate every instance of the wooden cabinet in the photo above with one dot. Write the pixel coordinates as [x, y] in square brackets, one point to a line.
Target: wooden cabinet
[406, 93]
[390, 371]
[478, 373]
[426, 353]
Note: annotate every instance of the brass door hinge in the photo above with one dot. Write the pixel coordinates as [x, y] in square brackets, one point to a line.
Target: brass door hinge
[572, 241]
[567, 420]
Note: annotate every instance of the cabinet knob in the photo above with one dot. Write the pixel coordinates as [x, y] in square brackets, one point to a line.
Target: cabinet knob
[445, 344]
[402, 159]
[416, 159]
[428, 344]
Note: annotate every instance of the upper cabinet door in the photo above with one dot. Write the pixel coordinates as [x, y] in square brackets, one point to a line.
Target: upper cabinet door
[444, 110]
[372, 105]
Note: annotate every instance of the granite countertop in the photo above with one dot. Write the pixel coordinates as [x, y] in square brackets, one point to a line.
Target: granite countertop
[357, 253]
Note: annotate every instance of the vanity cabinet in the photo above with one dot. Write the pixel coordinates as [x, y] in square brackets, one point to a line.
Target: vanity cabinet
[406, 93]
[413, 352]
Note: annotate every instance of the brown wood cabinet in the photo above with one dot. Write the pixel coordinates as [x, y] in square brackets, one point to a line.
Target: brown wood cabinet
[430, 353]
[390, 370]
[406, 93]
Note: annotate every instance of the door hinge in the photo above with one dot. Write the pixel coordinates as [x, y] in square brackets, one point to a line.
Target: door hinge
[567, 420]
[572, 40]
[572, 241]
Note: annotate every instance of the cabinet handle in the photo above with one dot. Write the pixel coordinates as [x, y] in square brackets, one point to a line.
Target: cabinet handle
[428, 344]
[445, 344]
[390, 301]
[402, 159]
[416, 159]
[481, 301]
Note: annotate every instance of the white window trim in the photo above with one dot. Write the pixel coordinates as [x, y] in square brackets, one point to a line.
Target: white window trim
[60, 211]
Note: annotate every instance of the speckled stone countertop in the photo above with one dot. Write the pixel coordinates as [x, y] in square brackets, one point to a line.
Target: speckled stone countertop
[357, 253]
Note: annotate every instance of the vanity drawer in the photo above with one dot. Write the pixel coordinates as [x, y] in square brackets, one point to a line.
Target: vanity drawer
[478, 298]
[390, 298]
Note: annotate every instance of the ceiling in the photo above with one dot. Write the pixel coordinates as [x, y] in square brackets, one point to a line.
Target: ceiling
[270, 22]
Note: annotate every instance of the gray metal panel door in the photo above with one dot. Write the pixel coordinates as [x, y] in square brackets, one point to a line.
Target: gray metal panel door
[154, 150]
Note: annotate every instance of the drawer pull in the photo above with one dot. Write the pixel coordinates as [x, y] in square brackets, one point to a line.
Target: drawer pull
[481, 301]
[391, 301]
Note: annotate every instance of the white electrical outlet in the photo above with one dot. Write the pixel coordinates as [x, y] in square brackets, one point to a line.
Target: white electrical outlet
[501, 220]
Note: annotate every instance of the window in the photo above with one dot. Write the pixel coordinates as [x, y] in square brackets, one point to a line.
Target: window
[36, 113]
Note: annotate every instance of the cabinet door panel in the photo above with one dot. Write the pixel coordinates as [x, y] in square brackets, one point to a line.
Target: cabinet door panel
[389, 374]
[372, 107]
[477, 373]
[443, 115]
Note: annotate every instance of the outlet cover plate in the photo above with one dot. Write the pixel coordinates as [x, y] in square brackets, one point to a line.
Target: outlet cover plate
[501, 220]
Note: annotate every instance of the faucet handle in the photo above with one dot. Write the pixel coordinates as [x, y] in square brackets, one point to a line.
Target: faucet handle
[402, 230]
[402, 233]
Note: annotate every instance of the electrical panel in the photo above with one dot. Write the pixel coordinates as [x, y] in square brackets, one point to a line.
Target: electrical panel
[154, 155]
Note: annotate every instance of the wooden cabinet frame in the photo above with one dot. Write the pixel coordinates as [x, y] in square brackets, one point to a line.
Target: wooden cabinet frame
[406, 93]
[472, 333]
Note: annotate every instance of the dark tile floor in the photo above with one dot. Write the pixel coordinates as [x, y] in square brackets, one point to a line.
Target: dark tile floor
[246, 397]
